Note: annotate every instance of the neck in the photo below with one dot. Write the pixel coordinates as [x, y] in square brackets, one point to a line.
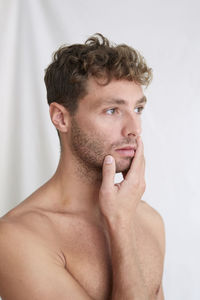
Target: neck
[75, 186]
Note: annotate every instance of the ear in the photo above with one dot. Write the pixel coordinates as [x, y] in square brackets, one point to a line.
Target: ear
[59, 116]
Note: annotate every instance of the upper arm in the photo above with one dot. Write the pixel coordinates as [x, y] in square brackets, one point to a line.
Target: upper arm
[156, 223]
[160, 295]
[28, 270]
[159, 229]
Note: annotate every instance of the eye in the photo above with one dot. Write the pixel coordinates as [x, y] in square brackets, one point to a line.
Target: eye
[139, 109]
[111, 110]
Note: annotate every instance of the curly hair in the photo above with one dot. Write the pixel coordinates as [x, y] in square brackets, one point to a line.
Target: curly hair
[66, 77]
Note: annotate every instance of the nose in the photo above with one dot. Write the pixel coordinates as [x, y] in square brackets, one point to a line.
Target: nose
[132, 125]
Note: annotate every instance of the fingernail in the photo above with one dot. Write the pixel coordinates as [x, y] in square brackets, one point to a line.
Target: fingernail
[108, 159]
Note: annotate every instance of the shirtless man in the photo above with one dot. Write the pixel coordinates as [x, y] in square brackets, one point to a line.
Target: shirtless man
[80, 235]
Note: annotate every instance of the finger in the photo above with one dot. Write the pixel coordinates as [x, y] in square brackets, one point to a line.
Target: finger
[124, 173]
[137, 161]
[142, 170]
[108, 174]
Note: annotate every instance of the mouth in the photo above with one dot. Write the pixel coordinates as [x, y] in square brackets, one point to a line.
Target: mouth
[126, 151]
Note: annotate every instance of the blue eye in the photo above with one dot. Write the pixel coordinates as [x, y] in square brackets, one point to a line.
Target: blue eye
[139, 109]
[111, 109]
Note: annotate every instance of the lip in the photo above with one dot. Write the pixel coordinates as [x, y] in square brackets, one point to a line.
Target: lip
[126, 151]
[128, 148]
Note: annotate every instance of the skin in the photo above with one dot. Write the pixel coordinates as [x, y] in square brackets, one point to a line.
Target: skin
[68, 239]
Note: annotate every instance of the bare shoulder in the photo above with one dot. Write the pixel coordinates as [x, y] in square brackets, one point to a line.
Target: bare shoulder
[30, 268]
[19, 238]
[24, 232]
[11, 236]
[16, 242]
[152, 218]
[151, 212]
[27, 259]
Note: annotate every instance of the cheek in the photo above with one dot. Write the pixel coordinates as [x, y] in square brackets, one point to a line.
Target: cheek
[107, 125]
[109, 133]
[104, 131]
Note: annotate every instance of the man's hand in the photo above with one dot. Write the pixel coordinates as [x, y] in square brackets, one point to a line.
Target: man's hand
[118, 203]
[121, 200]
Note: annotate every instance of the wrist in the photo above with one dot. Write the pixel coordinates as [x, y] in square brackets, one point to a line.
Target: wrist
[120, 224]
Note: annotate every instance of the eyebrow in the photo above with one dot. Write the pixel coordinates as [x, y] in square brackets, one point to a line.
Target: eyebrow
[142, 100]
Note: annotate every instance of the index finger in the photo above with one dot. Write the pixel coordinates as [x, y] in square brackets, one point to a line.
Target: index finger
[108, 174]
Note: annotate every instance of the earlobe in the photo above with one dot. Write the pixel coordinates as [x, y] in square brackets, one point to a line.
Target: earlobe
[58, 116]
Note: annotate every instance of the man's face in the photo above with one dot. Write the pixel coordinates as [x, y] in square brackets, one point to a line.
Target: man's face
[108, 118]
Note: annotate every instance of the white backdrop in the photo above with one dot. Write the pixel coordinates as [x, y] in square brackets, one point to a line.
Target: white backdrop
[167, 34]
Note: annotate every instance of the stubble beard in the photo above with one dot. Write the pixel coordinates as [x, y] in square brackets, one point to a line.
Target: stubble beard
[89, 150]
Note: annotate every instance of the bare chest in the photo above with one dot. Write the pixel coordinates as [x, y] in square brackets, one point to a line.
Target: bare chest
[88, 259]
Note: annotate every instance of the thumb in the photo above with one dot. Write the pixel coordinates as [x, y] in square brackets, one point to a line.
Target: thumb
[108, 174]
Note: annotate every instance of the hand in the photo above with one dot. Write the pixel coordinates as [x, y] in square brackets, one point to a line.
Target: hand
[120, 200]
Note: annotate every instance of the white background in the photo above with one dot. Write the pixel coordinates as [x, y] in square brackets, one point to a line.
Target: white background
[167, 34]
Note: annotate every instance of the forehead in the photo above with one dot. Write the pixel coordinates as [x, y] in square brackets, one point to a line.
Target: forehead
[123, 91]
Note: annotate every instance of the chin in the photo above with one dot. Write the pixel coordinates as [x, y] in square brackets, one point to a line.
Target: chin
[124, 166]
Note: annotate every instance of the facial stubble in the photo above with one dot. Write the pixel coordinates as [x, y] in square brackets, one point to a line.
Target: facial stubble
[90, 149]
